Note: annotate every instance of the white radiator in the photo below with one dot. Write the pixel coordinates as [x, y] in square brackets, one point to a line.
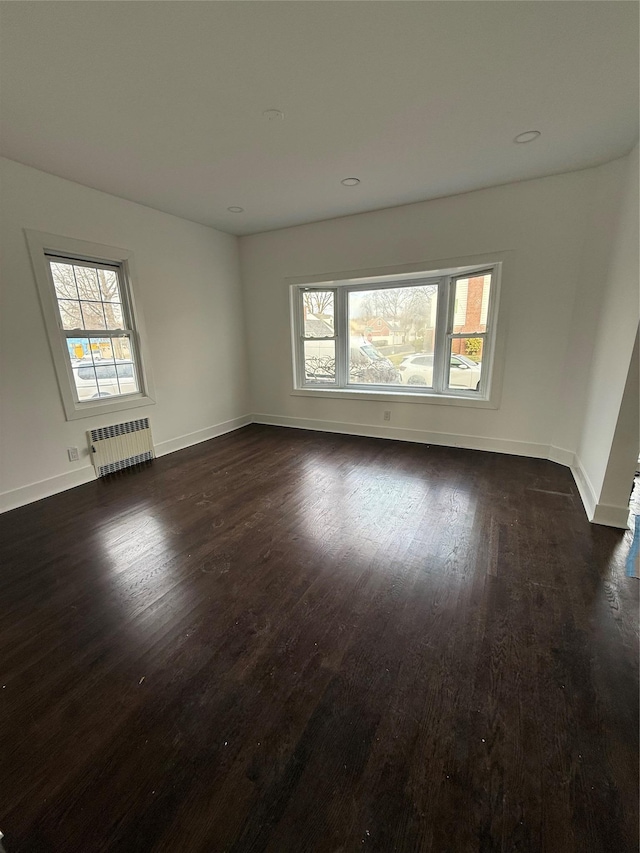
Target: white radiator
[120, 446]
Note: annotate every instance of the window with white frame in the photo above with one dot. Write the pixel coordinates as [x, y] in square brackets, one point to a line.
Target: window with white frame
[429, 335]
[94, 330]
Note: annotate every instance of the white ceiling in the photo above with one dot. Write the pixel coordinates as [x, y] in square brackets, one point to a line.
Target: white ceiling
[162, 103]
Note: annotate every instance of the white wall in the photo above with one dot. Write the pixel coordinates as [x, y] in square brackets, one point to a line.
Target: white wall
[189, 290]
[569, 312]
[610, 367]
[599, 240]
[543, 227]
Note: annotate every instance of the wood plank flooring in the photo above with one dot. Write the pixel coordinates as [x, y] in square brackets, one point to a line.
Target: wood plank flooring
[292, 641]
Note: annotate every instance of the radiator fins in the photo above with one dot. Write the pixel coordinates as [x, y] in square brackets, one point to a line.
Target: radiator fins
[120, 446]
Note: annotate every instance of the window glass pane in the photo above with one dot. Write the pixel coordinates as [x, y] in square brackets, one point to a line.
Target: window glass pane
[460, 303]
[113, 315]
[70, 314]
[127, 378]
[86, 383]
[318, 310]
[386, 328]
[87, 281]
[109, 286]
[99, 305]
[417, 370]
[100, 349]
[122, 350]
[471, 301]
[484, 308]
[105, 371]
[79, 350]
[367, 366]
[320, 361]
[103, 367]
[465, 366]
[64, 280]
[93, 315]
[107, 379]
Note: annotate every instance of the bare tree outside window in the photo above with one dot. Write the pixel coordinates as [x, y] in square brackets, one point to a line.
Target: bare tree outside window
[89, 299]
[318, 302]
[395, 316]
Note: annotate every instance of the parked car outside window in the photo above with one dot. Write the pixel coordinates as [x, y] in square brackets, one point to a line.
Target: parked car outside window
[417, 369]
[104, 380]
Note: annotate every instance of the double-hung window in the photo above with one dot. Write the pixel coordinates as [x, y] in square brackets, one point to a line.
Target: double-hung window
[94, 333]
[421, 334]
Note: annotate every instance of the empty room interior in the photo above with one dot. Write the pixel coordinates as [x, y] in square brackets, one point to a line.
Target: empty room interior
[319, 427]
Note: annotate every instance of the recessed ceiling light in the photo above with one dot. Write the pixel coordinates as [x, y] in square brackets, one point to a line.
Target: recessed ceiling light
[235, 209]
[527, 136]
[272, 115]
[350, 182]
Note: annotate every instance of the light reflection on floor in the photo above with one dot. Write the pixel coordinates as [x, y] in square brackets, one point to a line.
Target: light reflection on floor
[141, 532]
[364, 509]
[141, 550]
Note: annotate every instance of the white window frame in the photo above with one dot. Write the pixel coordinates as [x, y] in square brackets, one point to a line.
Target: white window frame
[44, 247]
[445, 280]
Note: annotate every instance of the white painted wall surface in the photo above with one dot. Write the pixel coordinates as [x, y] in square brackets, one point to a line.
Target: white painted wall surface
[543, 226]
[189, 290]
[613, 502]
[613, 345]
[599, 240]
[562, 240]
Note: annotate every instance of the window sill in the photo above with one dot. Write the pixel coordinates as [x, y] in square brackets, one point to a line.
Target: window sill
[99, 407]
[397, 397]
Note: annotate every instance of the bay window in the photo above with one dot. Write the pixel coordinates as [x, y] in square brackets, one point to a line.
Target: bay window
[430, 335]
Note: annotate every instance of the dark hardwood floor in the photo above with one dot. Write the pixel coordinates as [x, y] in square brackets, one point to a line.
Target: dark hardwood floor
[292, 641]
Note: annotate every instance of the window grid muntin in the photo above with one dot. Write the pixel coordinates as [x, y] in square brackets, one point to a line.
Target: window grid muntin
[105, 363]
[126, 331]
[121, 289]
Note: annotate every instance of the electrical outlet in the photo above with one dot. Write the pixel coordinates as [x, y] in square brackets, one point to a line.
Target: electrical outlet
[73, 454]
[387, 416]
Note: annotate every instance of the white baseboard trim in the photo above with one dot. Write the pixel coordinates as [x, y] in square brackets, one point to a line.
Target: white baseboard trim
[14, 498]
[469, 442]
[586, 490]
[611, 516]
[562, 456]
[597, 513]
[191, 438]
